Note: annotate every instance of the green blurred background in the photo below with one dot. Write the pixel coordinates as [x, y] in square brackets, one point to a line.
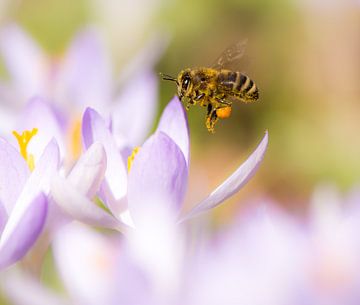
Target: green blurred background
[303, 55]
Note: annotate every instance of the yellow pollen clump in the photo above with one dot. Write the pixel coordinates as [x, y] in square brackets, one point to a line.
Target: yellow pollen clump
[23, 141]
[132, 157]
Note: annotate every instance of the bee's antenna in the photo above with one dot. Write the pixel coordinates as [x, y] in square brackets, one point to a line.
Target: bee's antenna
[168, 77]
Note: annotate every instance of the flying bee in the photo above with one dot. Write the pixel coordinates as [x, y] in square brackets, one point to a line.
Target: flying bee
[216, 88]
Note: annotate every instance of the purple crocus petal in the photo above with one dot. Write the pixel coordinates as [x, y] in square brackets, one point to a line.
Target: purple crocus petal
[86, 74]
[13, 175]
[39, 114]
[39, 180]
[234, 183]
[157, 179]
[94, 129]
[24, 60]
[79, 206]
[89, 170]
[136, 107]
[22, 229]
[174, 123]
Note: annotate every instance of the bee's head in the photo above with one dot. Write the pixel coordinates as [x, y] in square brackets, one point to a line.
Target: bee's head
[183, 82]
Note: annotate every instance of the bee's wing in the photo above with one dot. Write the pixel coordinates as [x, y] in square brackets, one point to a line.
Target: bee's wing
[231, 54]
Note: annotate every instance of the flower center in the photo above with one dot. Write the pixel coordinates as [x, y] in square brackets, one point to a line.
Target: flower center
[23, 141]
[132, 157]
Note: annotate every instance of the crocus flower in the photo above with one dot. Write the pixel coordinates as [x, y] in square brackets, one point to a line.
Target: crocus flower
[81, 78]
[158, 174]
[23, 195]
[266, 256]
[34, 73]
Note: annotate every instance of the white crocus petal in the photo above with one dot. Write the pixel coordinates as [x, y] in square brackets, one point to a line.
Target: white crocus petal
[95, 129]
[86, 261]
[136, 107]
[80, 207]
[157, 247]
[39, 114]
[89, 170]
[233, 184]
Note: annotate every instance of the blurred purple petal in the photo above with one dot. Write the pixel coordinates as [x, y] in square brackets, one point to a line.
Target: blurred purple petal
[232, 184]
[147, 56]
[94, 129]
[22, 229]
[24, 60]
[39, 114]
[33, 292]
[89, 170]
[157, 179]
[79, 206]
[174, 123]
[86, 74]
[87, 262]
[136, 108]
[256, 262]
[13, 175]
[3, 217]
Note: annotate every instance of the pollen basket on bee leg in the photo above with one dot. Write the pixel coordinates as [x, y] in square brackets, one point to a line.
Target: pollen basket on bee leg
[223, 113]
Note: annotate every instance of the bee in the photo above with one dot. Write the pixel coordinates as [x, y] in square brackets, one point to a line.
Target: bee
[217, 87]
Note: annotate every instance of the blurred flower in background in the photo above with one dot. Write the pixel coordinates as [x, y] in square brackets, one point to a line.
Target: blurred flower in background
[91, 191]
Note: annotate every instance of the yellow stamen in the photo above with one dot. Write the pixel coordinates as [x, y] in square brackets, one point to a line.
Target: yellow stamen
[23, 141]
[132, 157]
[75, 139]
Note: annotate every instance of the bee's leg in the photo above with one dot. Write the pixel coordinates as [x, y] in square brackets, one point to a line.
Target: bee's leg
[189, 103]
[223, 102]
[209, 109]
[211, 118]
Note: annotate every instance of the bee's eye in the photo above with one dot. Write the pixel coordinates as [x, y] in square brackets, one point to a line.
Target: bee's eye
[186, 83]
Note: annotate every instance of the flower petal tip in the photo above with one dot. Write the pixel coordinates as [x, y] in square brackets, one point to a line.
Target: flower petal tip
[233, 183]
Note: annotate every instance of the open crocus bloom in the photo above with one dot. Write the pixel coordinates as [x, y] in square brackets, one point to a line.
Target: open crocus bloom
[158, 174]
[23, 198]
[81, 77]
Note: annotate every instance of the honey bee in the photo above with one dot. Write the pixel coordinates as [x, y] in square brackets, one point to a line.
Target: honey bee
[216, 88]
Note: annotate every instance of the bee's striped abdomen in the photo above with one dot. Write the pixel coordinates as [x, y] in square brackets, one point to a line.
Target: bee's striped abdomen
[239, 84]
[245, 88]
